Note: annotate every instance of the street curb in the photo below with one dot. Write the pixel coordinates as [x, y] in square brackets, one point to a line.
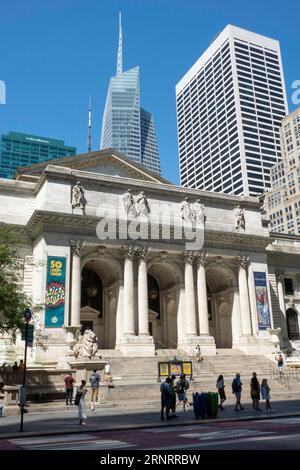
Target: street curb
[147, 426]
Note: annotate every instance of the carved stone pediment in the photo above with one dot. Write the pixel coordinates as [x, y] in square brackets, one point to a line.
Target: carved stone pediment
[90, 311]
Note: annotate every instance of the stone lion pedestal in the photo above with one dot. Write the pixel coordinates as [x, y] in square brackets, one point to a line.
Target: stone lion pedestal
[84, 368]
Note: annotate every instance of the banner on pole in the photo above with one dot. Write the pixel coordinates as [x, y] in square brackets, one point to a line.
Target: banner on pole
[55, 292]
[262, 302]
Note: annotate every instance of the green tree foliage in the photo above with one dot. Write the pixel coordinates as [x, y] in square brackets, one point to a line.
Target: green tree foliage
[12, 300]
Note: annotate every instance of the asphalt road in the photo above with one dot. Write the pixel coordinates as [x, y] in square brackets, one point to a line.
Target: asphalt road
[271, 434]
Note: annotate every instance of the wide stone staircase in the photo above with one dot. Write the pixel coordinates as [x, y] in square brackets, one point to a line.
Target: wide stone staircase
[136, 382]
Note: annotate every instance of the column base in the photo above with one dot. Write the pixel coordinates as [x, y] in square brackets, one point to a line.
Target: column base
[137, 346]
[207, 345]
[253, 346]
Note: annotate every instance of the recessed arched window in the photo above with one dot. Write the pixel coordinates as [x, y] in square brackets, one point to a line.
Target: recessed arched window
[91, 290]
[292, 324]
[153, 295]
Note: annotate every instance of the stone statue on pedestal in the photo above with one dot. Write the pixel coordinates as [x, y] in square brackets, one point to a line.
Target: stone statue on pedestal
[87, 346]
[239, 216]
[128, 203]
[78, 198]
[143, 205]
[186, 212]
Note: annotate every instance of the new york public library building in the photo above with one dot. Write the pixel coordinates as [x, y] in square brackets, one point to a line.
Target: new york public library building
[108, 246]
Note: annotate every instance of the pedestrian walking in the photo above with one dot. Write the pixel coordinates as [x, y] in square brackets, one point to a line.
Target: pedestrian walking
[165, 393]
[237, 390]
[280, 364]
[255, 392]
[69, 385]
[181, 388]
[80, 402]
[95, 384]
[221, 391]
[265, 393]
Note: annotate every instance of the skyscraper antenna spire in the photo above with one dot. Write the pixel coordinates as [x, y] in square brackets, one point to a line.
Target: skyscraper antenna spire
[120, 51]
[90, 126]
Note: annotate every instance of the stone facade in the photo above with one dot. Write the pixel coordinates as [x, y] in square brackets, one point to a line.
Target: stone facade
[147, 292]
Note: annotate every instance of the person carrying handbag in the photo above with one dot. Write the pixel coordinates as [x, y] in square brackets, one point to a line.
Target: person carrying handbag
[80, 402]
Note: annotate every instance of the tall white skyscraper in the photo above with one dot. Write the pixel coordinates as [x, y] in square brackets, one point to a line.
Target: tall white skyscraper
[229, 110]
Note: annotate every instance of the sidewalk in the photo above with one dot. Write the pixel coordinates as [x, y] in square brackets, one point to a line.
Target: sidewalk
[65, 420]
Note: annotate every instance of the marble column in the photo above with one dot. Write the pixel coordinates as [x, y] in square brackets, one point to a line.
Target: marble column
[202, 295]
[143, 292]
[280, 291]
[76, 247]
[129, 253]
[243, 263]
[191, 327]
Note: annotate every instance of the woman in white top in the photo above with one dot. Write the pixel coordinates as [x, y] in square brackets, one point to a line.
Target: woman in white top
[81, 406]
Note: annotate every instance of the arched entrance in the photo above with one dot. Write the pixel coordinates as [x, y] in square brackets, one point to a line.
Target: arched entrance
[163, 301]
[292, 324]
[220, 289]
[99, 298]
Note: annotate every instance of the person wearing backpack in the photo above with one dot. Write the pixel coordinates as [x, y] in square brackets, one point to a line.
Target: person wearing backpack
[181, 387]
[255, 392]
[237, 390]
[80, 402]
[95, 384]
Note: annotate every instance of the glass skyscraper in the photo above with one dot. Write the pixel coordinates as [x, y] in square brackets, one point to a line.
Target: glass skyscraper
[18, 149]
[126, 126]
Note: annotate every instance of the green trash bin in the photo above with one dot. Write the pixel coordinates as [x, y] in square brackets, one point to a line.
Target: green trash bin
[212, 405]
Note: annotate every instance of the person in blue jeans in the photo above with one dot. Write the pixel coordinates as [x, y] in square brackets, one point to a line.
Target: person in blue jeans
[95, 384]
[237, 390]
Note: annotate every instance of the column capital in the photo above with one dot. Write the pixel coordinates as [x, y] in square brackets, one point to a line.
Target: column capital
[189, 257]
[76, 247]
[201, 258]
[142, 253]
[129, 252]
[242, 261]
[279, 276]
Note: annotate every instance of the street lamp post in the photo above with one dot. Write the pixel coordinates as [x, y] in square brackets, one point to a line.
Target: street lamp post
[27, 317]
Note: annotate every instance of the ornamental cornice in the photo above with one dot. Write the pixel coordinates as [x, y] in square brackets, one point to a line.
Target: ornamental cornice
[78, 221]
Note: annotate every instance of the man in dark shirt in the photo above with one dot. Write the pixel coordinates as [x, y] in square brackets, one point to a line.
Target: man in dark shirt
[69, 384]
[165, 391]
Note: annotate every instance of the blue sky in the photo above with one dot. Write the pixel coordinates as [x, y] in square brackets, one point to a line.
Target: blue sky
[55, 53]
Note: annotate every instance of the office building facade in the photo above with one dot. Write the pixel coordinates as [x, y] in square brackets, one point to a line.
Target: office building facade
[126, 127]
[282, 203]
[229, 110]
[17, 149]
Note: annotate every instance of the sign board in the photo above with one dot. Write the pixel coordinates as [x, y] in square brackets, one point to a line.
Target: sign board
[22, 395]
[29, 334]
[175, 367]
[55, 292]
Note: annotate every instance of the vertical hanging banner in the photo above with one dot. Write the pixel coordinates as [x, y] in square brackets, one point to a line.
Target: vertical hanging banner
[55, 292]
[262, 303]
